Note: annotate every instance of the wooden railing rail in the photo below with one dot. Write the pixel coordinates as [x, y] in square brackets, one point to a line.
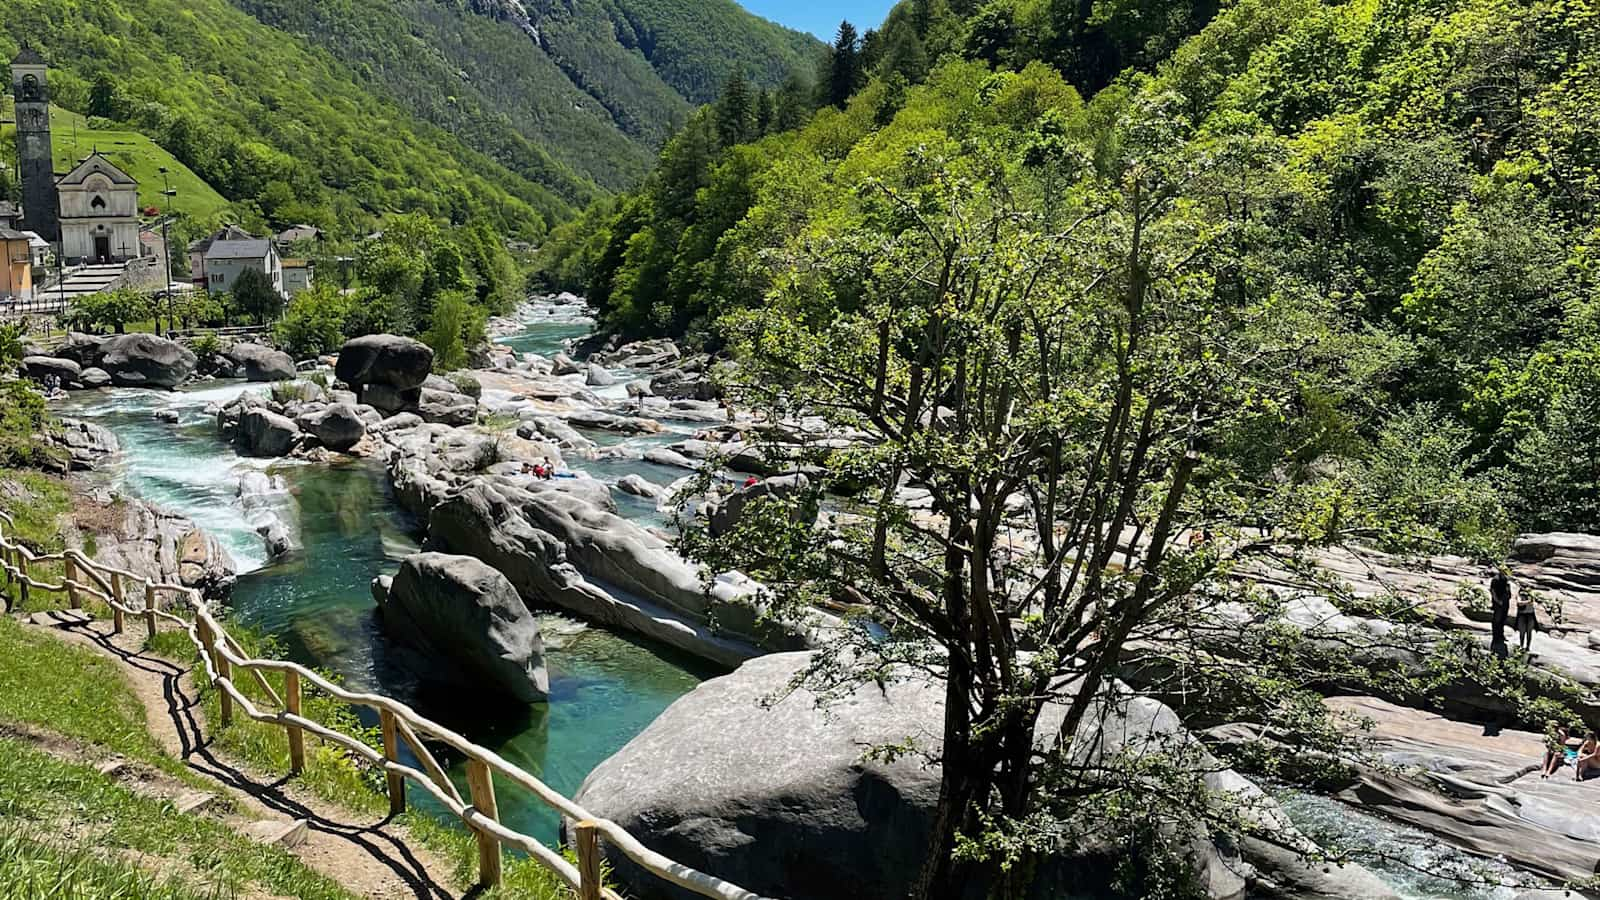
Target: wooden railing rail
[223, 658]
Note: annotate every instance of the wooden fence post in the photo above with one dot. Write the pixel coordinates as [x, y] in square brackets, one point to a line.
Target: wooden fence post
[69, 574]
[22, 573]
[391, 752]
[208, 640]
[150, 608]
[117, 621]
[480, 780]
[588, 860]
[297, 738]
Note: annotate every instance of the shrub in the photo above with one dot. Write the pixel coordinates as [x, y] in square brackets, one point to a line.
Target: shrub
[23, 416]
[317, 322]
[457, 325]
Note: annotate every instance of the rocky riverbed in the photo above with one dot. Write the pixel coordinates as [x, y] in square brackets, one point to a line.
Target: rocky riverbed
[619, 426]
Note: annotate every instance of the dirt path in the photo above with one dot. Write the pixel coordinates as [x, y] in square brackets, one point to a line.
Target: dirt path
[369, 858]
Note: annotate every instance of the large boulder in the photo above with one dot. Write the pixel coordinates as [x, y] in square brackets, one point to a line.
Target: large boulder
[87, 444]
[83, 349]
[560, 545]
[784, 797]
[468, 624]
[562, 364]
[156, 544]
[39, 368]
[258, 363]
[386, 371]
[144, 360]
[597, 376]
[95, 377]
[725, 514]
[446, 407]
[337, 427]
[399, 362]
[263, 432]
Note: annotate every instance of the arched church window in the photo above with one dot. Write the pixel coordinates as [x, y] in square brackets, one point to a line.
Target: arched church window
[98, 202]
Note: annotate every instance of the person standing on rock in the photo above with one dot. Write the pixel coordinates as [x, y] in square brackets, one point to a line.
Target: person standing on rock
[1527, 621]
[1500, 609]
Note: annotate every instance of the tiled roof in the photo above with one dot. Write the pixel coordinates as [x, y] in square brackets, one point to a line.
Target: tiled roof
[255, 248]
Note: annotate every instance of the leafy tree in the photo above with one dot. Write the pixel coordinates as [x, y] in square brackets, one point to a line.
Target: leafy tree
[112, 309]
[105, 99]
[1104, 387]
[23, 418]
[254, 295]
[457, 326]
[316, 322]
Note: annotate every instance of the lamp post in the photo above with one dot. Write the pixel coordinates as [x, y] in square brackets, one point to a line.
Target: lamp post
[166, 245]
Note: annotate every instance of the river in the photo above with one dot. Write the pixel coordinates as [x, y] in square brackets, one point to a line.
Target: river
[604, 687]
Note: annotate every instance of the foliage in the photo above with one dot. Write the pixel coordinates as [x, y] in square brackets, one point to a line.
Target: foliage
[457, 325]
[280, 128]
[23, 418]
[11, 347]
[316, 322]
[113, 309]
[254, 295]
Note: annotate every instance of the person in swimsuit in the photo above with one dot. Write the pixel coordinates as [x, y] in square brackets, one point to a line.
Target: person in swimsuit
[1588, 758]
[1559, 748]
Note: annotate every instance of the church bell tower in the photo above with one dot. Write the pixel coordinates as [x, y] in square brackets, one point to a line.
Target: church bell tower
[40, 209]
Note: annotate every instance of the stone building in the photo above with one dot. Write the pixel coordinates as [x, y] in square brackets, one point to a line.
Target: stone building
[99, 213]
[225, 260]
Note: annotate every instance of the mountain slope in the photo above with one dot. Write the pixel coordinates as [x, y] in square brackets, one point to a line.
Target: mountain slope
[596, 84]
[274, 123]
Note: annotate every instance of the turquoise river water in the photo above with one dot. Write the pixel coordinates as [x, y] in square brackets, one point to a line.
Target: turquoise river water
[605, 688]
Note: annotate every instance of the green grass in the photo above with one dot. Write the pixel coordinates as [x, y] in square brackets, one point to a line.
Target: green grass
[33, 869]
[71, 691]
[134, 153]
[36, 503]
[39, 793]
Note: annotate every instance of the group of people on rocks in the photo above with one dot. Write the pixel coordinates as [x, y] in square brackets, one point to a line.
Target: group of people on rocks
[1573, 747]
[544, 469]
[1564, 746]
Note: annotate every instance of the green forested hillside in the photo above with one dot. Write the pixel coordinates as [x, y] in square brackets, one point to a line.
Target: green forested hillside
[1430, 171]
[269, 121]
[595, 85]
[335, 113]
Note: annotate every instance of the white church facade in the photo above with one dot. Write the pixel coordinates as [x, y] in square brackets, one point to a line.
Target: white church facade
[99, 213]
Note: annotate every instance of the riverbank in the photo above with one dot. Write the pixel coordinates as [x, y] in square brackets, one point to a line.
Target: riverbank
[349, 525]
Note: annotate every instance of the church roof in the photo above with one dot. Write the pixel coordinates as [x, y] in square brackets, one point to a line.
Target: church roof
[91, 164]
[6, 234]
[28, 56]
[251, 249]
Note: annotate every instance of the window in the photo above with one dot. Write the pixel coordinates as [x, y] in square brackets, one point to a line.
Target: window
[98, 202]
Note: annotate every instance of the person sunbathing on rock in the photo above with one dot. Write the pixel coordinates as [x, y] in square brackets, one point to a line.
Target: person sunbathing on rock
[1588, 758]
[1559, 747]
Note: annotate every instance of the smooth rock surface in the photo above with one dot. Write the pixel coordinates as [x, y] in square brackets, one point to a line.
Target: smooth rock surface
[144, 360]
[258, 363]
[469, 625]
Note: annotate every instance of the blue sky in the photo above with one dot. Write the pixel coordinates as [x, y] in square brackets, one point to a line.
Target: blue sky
[821, 17]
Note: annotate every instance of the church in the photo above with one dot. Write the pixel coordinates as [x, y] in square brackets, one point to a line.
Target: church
[92, 212]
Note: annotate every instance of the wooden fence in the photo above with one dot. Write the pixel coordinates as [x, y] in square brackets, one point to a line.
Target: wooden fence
[130, 595]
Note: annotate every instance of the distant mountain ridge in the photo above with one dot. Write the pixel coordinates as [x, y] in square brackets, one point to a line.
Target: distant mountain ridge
[596, 84]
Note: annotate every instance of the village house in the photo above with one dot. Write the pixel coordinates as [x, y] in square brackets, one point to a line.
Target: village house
[297, 275]
[225, 260]
[197, 251]
[16, 266]
[10, 214]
